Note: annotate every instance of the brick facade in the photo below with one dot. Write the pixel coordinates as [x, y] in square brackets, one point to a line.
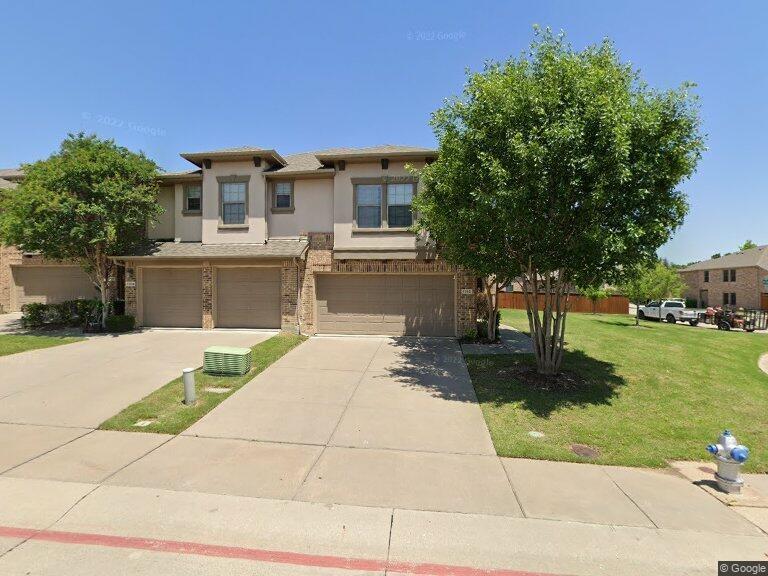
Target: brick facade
[320, 260]
[289, 293]
[207, 296]
[130, 289]
[748, 286]
[297, 284]
[11, 256]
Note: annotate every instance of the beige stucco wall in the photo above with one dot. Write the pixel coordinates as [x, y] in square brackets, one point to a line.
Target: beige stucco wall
[313, 210]
[344, 236]
[163, 227]
[189, 227]
[255, 232]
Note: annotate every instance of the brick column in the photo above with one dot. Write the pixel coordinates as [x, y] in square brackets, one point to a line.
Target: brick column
[207, 296]
[319, 259]
[289, 291]
[466, 304]
[131, 307]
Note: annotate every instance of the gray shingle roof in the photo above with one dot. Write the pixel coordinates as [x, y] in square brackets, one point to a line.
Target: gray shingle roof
[394, 149]
[308, 162]
[11, 173]
[272, 249]
[746, 258]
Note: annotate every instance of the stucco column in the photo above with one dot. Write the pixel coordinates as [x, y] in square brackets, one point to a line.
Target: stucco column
[207, 296]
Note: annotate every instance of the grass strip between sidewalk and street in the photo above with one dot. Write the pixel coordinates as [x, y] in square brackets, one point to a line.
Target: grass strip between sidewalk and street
[15, 343]
[165, 409]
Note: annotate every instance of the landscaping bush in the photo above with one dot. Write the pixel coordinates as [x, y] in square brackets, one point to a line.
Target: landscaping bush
[124, 323]
[33, 315]
[691, 303]
[67, 314]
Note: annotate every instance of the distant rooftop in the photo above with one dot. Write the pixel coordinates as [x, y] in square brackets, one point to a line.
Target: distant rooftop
[746, 258]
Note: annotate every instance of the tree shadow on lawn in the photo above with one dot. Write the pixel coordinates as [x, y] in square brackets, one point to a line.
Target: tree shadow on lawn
[498, 380]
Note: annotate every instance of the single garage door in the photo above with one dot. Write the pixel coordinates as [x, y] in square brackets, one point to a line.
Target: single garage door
[248, 297]
[50, 284]
[393, 304]
[172, 297]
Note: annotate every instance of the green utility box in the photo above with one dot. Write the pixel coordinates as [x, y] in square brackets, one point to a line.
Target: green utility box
[227, 360]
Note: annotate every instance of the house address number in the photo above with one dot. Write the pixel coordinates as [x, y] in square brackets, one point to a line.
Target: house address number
[467, 291]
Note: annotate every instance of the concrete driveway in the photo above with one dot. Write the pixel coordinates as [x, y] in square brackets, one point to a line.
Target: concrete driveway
[83, 384]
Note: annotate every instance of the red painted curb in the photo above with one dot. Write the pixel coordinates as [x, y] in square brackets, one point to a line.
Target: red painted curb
[254, 554]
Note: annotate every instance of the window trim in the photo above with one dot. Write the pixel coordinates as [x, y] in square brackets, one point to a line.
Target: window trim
[234, 179]
[185, 197]
[275, 209]
[384, 182]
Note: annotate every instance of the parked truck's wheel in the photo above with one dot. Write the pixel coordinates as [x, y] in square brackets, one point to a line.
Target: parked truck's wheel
[671, 318]
[641, 315]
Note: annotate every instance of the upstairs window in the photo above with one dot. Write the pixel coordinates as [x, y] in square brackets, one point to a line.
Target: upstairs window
[233, 195]
[706, 275]
[382, 204]
[193, 198]
[368, 205]
[733, 275]
[399, 199]
[282, 199]
[725, 276]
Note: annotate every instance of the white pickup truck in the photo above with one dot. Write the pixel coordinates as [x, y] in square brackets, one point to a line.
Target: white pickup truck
[670, 310]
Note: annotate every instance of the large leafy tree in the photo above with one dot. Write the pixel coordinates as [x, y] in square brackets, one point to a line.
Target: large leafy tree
[560, 168]
[89, 201]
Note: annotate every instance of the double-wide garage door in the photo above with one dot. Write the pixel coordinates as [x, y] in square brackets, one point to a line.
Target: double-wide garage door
[49, 285]
[391, 304]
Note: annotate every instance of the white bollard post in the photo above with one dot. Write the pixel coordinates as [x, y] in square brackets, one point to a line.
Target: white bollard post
[188, 375]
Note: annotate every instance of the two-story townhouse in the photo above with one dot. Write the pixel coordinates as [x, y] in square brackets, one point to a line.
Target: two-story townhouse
[318, 242]
[734, 280]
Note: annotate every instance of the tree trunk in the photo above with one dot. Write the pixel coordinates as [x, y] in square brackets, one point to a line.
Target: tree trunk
[548, 326]
[493, 306]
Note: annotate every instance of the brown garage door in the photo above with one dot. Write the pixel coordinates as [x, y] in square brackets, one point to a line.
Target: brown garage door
[248, 297]
[50, 284]
[394, 304]
[173, 297]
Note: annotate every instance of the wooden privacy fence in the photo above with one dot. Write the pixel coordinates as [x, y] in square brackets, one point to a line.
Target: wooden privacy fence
[576, 303]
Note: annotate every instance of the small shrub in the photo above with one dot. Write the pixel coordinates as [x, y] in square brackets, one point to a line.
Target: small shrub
[34, 314]
[691, 303]
[470, 335]
[120, 323]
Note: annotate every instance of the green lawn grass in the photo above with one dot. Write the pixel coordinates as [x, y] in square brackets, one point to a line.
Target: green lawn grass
[655, 393]
[13, 343]
[165, 406]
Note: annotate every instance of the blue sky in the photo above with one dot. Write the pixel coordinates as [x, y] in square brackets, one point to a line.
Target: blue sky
[169, 77]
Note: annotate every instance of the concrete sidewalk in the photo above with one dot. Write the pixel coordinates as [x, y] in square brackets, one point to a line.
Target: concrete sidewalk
[93, 530]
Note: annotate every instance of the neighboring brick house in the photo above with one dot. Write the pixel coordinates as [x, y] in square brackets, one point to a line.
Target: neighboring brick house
[735, 280]
[27, 277]
[317, 242]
